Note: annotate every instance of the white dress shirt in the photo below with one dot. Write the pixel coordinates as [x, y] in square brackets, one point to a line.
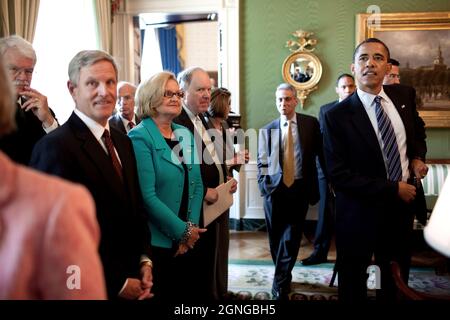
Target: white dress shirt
[368, 102]
[201, 130]
[96, 129]
[126, 122]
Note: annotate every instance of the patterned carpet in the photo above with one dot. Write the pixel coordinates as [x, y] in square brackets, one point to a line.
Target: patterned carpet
[252, 280]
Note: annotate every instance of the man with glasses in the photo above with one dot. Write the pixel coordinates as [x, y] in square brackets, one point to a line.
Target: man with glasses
[34, 118]
[126, 118]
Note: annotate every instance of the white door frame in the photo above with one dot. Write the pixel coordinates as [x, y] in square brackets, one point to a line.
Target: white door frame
[228, 13]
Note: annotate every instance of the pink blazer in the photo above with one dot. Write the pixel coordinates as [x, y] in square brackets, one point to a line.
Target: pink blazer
[49, 237]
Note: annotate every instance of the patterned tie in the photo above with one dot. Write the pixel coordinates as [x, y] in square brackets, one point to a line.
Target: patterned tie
[112, 153]
[390, 148]
[288, 158]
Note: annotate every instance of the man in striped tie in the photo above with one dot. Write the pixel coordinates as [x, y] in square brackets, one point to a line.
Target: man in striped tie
[374, 143]
[125, 118]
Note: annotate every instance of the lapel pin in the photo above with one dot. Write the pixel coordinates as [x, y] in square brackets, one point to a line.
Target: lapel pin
[403, 106]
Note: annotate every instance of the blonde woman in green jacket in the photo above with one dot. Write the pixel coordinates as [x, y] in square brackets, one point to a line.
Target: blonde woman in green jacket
[171, 185]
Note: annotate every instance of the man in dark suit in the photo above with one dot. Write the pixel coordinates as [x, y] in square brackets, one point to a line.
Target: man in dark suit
[287, 179]
[34, 118]
[125, 119]
[374, 142]
[345, 86]
[212, 248]
[87, 151]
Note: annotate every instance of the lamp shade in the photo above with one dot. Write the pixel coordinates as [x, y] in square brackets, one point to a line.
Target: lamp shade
[437, 231]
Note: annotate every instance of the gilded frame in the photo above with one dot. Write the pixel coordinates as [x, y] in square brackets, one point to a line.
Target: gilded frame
[303, 88]
[369, 24]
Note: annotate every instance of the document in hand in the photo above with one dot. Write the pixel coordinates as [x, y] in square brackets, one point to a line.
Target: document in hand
[214, 210]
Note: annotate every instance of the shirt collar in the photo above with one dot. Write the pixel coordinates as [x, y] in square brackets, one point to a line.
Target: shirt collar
[96, 128]
[126, 121]
[368, 98]
[191, 115]
[284, 119]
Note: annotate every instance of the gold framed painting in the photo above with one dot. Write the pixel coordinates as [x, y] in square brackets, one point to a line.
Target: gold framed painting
[420, 41]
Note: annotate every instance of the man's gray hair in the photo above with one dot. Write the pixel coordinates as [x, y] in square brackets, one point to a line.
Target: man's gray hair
[123, 84]
[87, 58]
[16, 42]
[287, 86]
[185, 77]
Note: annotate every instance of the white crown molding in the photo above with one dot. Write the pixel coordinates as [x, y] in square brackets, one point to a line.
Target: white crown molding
[145, 6]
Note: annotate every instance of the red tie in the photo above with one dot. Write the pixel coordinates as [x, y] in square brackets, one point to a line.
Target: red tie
[131, 125]
[112, 153]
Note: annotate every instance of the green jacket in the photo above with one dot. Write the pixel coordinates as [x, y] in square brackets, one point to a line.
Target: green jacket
[161, 177]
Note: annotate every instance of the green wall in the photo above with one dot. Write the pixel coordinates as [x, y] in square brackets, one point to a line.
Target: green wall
[266, 25]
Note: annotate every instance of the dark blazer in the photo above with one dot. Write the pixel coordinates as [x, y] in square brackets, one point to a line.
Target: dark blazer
[116, 122]
[355, 164]
[270, 155]
[323, 109]
[226, 144]
[73, 153]
[19, 144]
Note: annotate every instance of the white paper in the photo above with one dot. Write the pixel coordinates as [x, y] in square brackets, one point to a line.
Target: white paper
[214, 210]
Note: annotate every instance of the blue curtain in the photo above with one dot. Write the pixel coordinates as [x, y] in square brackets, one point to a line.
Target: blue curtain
[169, 50]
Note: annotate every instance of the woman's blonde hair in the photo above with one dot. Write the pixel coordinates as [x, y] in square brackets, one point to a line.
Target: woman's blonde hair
[150, 94]
[7, 105]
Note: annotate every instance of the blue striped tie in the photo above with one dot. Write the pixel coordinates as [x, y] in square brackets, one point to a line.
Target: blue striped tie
[390, 148]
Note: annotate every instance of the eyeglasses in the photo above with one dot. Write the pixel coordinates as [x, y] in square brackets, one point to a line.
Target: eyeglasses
[15, 71]
[170, 94]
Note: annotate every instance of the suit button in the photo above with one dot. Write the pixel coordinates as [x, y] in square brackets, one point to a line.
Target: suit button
[192, 182]
[189, 210]
[191, 197]
[190, 167]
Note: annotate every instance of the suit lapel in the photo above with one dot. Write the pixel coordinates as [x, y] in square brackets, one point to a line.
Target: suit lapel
[184, 120]
[277, 126]
[160, 144]
[124, 155]
[207, 127]
[138, 119]
[119, 124]
[398, 103]
[301, 134]
[95, 153]
[362, 123]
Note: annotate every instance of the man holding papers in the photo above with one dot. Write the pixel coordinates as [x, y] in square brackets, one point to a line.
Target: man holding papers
[213, 246]
[287, 178]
